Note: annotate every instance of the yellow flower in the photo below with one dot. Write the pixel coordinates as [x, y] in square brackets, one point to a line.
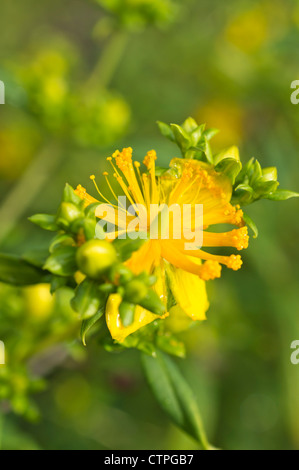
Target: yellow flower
[181, 271]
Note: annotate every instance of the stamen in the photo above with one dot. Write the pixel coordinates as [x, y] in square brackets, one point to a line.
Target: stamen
[81, 192]
[149, 162]
[235, 262]
[210, 270]
[106, 174]
[92, 177]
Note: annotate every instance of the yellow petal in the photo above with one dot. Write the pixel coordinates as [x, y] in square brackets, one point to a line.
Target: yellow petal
[117, 330]
[189, 291]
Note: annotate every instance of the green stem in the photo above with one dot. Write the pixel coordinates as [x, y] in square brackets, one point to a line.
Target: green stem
[27, 188]
[108, 61]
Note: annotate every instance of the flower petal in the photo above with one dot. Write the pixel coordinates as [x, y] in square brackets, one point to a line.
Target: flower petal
[117, 330]
[189, 291]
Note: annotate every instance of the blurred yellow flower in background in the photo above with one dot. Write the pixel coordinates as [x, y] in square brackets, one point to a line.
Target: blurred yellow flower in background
[248, 30]
[225, 115]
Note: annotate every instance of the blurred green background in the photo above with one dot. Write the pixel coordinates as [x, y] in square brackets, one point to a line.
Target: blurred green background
[82, 79]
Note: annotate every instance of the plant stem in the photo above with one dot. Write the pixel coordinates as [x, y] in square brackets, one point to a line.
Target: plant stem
[108, 61]
[30, 184]
[27, 188]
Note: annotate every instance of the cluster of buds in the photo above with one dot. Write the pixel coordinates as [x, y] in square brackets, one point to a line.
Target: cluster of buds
[94, 268]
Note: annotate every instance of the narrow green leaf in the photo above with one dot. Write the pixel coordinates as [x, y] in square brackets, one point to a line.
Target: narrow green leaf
[166, 131]
[127, 312]
[251, 225]
[14, 270]
[281, 195]
[69, 195]
[174, 395]
[57, 282]
[89, 323]
[182, 138]
[262, 188]
[197, 134]
[190, 125]
[210, 133]
[153, 303]
[36, 257]
[88, 299]
[205, 147]
[45, 221]
[229, 167]
[60, 240]
[62, 262]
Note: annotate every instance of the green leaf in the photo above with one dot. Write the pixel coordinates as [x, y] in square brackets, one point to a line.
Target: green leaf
[153, 303]
[190, 125]
[197, 134]
[14, 270]
[255, 171]
[88, 299]
[243, 194]
[89, 227]
[126, 247]
[89, 323]
[262, 188]
[36, 257]
[251, 225]
[127, 312]
[232, 153]
[62, 262]
[270, 174]
[229, 167]
[60, 240]
[182, 138]
[45, 221]
[281, 195]
[57, 282]
[166, 131]
[210, 133]
[174, 395]
[69, 195]
[205, 147]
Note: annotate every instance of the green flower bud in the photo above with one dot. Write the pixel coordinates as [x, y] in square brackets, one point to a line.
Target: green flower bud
[95, 257]
[67, 213]
[270, 174]
[120, 273]
[135, 291]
